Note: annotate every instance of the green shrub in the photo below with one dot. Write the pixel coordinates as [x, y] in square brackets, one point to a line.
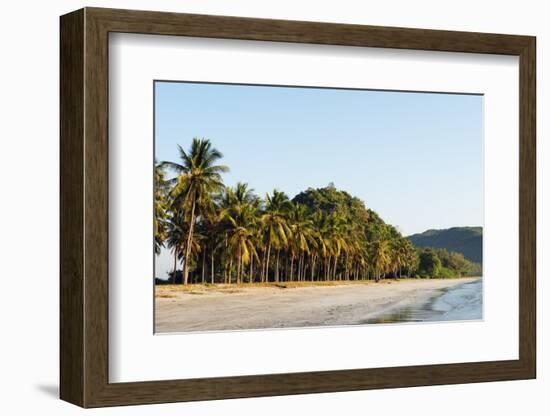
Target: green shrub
[446, 273]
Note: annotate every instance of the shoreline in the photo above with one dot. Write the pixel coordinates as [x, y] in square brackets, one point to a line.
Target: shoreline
[195, 308]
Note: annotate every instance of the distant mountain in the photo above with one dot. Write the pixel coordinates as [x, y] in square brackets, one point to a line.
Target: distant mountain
[465, 240]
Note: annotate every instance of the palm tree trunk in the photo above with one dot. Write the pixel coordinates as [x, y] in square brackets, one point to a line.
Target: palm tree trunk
[175, 265]
[262, 266]
[212, 267]
[266, 277]
[203, 266]
[188, 245]
[346, 270]
[225, 269]
[251, 273]
[288, 267]
[277, 267]
[239, 262]
[224, 261]
[301, 268]
[241, 269]
[291, 267]
[238, 267]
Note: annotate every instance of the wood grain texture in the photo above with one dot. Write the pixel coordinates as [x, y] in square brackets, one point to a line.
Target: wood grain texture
[84, 205]
[71, 208]
[527, 208]
[96, 220]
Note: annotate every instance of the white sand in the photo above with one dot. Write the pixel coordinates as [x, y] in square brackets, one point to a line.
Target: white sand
[274, 307]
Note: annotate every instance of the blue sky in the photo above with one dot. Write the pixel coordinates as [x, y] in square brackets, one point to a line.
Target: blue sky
[415, 158]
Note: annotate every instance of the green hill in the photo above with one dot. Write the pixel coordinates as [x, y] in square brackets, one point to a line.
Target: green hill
[465, 240]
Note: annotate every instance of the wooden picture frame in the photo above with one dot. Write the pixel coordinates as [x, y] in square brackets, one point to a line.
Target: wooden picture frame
[84, 207]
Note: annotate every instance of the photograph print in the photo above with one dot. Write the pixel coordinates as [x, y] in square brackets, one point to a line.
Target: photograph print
[296, 206]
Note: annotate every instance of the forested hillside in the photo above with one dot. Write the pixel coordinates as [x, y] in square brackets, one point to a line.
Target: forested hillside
[465, 240]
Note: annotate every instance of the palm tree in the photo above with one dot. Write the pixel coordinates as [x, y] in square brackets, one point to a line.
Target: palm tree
[322, 228]
[380, 257]
[274, 226]
[302, 236]
[160, 207]
[354, 245]
[338, 242]
[411, 258]
[211, 231]
[242, 237]
[240, 214]
[198, 176]
[243, 195]
[362, 262]
[320, 248]
[396, 256]
[403, 249]
[175, 238]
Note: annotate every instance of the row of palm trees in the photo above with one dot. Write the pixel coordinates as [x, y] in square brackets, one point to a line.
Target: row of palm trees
[230, 235]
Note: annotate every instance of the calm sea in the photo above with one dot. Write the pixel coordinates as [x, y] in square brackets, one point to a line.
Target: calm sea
[459, 303]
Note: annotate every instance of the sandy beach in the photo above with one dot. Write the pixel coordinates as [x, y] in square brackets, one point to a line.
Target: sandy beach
[179, 309]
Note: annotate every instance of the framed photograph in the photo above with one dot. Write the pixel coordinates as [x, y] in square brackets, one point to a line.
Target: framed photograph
[255, 207]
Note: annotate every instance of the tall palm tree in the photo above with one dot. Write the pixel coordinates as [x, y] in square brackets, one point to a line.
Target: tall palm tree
[198, 176]
[274, 226]
[404, 247]
[240, 213]
[362, 262]
[411, 258]
[243, 195]
[160, 207]
[175, 238]
[302, 236]
[380, 257]
[321, 231]
[338, 242]
[210, 225]
[353, 251]
[242, 237]
[396, 256]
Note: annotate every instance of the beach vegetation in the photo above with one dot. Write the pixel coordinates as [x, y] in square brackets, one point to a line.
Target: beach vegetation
[221, 234]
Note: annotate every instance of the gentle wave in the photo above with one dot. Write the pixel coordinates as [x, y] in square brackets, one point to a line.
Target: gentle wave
[460, 303]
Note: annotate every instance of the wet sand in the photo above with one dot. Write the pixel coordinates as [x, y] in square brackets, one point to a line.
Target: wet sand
[238, 308]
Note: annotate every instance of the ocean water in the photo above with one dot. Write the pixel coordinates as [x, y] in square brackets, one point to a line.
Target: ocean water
[460, 303]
